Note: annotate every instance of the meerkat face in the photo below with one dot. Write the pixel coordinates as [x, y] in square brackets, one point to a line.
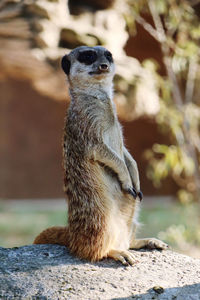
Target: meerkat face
[89, 65]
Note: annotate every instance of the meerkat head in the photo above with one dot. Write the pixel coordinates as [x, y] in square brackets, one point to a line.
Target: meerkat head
[86, 67]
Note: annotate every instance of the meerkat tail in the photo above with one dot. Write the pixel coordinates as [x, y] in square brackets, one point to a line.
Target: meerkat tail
[53, 235]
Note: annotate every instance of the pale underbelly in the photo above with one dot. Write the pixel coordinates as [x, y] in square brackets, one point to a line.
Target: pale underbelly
[121, 213]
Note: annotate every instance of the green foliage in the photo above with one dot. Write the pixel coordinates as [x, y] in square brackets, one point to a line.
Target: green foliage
[172, 161]
[161, 6]
[177, 30]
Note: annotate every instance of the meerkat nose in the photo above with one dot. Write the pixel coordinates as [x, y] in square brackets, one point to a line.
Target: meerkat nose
[103, 67]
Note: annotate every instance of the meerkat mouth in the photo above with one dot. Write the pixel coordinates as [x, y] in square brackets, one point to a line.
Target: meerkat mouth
[98, 72]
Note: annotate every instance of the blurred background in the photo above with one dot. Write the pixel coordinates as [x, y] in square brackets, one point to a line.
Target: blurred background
[155, 45]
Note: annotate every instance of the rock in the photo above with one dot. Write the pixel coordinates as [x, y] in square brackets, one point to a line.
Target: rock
[50, 272]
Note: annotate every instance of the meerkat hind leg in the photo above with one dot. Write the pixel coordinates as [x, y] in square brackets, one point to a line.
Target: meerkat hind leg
[150, 243]
[126, 257]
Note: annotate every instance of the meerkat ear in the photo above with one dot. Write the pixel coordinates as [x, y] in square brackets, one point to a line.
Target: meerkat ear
[65, 63]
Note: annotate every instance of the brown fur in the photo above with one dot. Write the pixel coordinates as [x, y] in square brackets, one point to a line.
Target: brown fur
[98, 170]
[53, 235]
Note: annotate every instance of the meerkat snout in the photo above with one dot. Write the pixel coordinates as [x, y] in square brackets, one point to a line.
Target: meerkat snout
[103, 67]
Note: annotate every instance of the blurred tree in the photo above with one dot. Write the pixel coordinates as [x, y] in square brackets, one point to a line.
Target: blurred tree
[175, 26]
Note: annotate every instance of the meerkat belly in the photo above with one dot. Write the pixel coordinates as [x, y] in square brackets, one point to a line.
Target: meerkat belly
[120, 204]
[120, 211]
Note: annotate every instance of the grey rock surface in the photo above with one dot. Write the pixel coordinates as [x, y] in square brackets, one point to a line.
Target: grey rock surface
[50, 272]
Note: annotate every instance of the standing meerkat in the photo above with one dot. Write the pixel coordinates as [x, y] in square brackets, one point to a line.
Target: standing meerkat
[100, 176]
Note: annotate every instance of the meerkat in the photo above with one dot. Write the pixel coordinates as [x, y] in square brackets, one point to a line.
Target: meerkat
[101, 178]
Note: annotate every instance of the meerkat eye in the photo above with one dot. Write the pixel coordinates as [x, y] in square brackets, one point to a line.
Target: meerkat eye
[109, 57]
[87, 57]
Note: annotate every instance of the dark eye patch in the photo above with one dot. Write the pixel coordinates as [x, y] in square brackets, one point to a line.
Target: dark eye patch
[109, 57]
[87, 57]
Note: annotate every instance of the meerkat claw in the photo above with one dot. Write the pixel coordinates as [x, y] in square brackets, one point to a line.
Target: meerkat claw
[132, 191]
[140, 195]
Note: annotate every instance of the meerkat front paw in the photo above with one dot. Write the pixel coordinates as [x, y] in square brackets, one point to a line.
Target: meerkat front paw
[127, 188]
[153, 243]
[132, 191]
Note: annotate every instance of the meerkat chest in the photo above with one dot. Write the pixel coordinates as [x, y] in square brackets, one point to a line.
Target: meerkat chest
[113, 138]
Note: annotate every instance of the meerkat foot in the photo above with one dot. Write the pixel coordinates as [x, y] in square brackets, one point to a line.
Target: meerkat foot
[150, 243]
[156, 244]
[126, 257]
